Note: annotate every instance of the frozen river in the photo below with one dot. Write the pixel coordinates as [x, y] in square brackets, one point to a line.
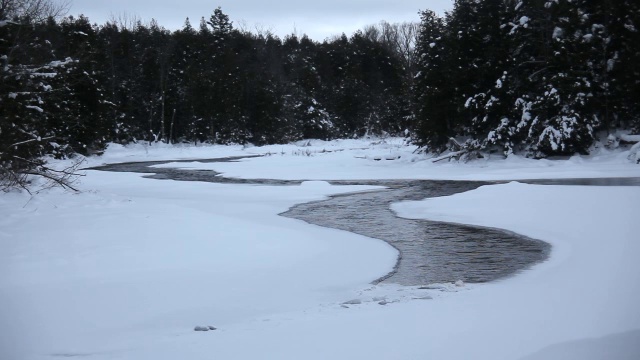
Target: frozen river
[430, 252]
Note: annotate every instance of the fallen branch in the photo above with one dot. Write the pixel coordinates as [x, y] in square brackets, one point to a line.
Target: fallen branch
[31, 140]
[449, 156]
[11, 178]
[453, 144]
[465, 151]
[61, 181]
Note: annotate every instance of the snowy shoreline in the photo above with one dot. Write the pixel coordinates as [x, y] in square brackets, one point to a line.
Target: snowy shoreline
[106, 273]
[509, 253]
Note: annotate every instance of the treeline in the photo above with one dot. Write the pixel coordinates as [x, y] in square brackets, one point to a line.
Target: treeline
[530, 76]
[540, 77]
[72, 87]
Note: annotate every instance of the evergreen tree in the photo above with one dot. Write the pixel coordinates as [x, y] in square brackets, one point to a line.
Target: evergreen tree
[182, 77]
[537, 76]
[304, 84]
[610, 33]
[433, 90]
[540, 77]
[554, 95]
[47, 100]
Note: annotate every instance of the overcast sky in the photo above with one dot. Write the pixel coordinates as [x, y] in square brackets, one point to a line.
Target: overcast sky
[319, 19]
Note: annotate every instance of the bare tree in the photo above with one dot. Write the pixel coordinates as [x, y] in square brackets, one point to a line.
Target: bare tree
[125, 21]
[407, 39]
[371, 32]
[400, 38]
[14, 12]
[34, 10]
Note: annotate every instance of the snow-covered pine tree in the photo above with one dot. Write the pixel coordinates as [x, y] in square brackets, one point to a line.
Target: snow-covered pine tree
[610, 33]
[554, 94]
[178, 77]
[304, 86]
[225, 81]
[490, 107]
[434, 91]
[44, 108]
[83, 106]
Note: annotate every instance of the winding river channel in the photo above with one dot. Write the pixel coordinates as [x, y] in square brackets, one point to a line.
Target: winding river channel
[430, 252]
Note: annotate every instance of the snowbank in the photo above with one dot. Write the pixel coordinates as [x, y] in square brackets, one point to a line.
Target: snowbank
[128, 268]
[393, 159]
[133, 261]
[588, 289]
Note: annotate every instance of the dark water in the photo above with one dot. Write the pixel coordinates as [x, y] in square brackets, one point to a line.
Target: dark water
[630, 181]
[429, 251]
[188, 175]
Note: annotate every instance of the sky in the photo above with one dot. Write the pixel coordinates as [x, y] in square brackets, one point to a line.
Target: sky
[318, 19]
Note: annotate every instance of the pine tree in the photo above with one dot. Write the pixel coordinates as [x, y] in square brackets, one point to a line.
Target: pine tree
[610, 33]
[220, 24]
[554, 93]
[82, 107]
[45, 101]
[182, 78]
[304, 84]
[434, 103]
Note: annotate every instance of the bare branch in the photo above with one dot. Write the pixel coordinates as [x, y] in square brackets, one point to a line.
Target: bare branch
[34, 10]
[125, 21]
[31, 140]
[64, 178]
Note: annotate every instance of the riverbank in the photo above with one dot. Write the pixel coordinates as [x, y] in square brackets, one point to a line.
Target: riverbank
[128, 268]
[580, 303]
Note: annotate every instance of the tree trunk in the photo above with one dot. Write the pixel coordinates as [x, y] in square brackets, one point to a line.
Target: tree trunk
[153, 136]
[173, 119]
[162, 137]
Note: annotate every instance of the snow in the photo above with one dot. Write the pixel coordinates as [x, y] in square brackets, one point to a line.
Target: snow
[36, 108]
[59, 63]
[128, 268]
[129, 263]
[589, 286]
[557, 33]
[44, 75]
[630, 27]
[634, 153]
[630, 138]
[357, 160]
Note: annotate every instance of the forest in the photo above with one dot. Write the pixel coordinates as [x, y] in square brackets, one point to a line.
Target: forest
[533, 77]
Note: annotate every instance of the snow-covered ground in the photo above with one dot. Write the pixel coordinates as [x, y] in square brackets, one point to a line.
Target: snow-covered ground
[127, 268]
[392, 159]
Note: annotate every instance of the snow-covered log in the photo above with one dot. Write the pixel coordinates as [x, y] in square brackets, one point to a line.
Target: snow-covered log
[449, 156]
[630, 138]
[614, 140]
[465, 152]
